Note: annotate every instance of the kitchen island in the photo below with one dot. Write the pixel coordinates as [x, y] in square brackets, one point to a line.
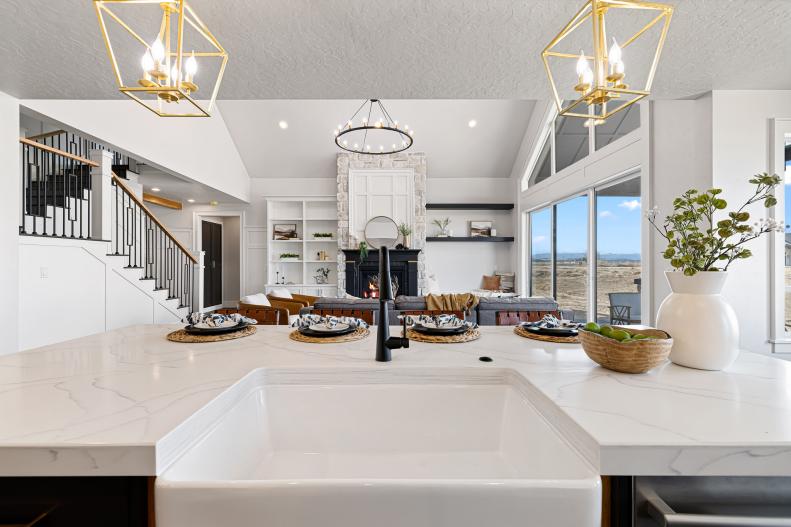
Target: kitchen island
[128, 402]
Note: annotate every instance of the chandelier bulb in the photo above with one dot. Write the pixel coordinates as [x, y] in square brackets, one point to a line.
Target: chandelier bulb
[191, 66]
[147, 62]
[367, 147]
[157, 51]
[381, 148]
[582, 65]
[174, 74]
[356, 146]
[345, 142]
[615, 54]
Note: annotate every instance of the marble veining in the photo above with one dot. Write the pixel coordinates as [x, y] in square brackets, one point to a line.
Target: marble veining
[128, 402]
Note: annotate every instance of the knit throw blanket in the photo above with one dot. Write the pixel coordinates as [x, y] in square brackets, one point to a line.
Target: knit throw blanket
[464, 302]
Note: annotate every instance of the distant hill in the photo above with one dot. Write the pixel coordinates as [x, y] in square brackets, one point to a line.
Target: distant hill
[610, 257]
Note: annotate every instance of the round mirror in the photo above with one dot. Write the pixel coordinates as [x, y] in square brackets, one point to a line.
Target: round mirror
[381, 230]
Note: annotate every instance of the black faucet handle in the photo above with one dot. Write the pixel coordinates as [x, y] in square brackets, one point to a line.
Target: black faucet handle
[404, 338]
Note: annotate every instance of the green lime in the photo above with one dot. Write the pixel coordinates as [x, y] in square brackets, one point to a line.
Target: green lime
[593, 327]
[606, 331]
[640, 336]
[620, 335]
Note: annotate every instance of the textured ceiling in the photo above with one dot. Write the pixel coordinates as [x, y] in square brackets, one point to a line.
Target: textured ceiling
[306, 149]
[407, 49]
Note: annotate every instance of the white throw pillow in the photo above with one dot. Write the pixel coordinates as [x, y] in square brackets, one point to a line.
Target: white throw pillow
[258, 299]
[281, 292]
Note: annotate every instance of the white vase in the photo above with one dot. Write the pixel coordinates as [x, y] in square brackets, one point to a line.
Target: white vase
[703, 325]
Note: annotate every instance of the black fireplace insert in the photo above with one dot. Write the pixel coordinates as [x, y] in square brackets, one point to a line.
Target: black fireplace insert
[362, 277]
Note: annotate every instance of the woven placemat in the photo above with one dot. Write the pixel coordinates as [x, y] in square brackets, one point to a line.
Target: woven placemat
[358, 334]
[183, 336]
[467, 336]
[522, 332]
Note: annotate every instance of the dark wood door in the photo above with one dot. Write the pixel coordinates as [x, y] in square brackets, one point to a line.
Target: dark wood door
[211, 243]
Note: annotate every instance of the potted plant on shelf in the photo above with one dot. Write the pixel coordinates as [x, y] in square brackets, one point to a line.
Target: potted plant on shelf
[322, 235]
[289, 256]
[443, 227]
[405, 231]
[700, 249]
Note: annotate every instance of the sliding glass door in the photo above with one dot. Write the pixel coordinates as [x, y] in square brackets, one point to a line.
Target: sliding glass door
[541, 253]
[618, 266]
[571, 256]
[560, 244]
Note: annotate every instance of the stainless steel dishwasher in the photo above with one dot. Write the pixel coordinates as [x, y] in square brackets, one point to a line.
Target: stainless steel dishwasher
[712, 502]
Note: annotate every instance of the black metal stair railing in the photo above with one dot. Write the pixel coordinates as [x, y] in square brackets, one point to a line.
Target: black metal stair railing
[56, 192]
[81, 146]
[57, 200]
[150, 246]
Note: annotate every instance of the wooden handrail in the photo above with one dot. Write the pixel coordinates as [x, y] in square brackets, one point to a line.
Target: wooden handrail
[55, 151]
[45, 135]
[142, 205]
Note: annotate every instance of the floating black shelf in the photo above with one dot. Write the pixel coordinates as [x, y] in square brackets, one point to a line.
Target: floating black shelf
[470, 239]
[469, 206]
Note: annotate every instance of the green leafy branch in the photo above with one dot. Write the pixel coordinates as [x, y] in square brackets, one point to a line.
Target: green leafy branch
[697, 241]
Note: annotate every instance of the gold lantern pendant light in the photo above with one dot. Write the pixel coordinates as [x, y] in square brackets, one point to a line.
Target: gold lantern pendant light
[165, 82]
[606, 81]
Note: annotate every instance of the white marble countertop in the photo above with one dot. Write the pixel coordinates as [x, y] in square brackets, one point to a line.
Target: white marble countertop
[108, 404]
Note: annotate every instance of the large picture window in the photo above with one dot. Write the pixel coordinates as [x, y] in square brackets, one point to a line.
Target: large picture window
[618, 225]
[541, 253]
[566, 140]
[560, 245]
[571, 256]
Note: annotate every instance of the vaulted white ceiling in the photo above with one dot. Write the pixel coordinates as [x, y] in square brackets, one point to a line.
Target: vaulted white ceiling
[406, 49]
[307, 149]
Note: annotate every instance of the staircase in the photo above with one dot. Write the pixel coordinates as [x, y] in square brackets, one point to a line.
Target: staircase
[69, 197]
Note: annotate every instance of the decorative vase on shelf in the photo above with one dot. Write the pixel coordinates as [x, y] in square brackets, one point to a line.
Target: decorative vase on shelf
[703, 325]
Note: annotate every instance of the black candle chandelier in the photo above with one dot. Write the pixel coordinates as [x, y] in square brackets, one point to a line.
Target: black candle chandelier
[376, 133]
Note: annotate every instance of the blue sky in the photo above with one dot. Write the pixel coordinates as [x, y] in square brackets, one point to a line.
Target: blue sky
[619, 223]
[788, 194]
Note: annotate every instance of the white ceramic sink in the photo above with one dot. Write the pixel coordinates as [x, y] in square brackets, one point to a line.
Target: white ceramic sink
[381, 448]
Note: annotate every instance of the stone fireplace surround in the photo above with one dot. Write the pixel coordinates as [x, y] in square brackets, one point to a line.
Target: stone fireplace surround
[347, 162]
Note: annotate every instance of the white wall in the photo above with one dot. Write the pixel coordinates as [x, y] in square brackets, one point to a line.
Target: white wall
[681, 158]
[72, 289]
[718, 140]
[200, 149]
[460, 266]
[9, 220]
[740, 149]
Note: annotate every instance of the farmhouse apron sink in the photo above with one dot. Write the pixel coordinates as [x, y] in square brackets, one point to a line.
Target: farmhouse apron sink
[352, 449]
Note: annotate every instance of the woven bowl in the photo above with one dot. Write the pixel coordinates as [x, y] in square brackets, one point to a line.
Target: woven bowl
[637, 356]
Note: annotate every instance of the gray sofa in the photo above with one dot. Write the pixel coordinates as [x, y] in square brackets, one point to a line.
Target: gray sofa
[361, 304]
[485, 313]
[488, 307]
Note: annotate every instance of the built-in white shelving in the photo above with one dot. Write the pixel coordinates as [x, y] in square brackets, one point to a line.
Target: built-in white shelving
[308, 216]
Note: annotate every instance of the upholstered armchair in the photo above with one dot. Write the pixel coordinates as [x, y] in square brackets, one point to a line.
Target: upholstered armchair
[292, 305]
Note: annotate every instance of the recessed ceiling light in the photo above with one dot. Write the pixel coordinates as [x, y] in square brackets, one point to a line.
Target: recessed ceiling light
[472, 123]
[155, 189]
[283, 125]
[190, 200]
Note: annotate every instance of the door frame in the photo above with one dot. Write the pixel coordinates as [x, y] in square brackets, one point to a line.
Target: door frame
[197, 217]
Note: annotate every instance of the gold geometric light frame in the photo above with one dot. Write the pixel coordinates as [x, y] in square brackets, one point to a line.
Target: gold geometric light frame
[170, 91]
[602, 90]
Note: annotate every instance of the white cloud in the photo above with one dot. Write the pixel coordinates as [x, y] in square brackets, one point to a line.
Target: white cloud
[632, 204]
[606, 214]
[539, 239]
